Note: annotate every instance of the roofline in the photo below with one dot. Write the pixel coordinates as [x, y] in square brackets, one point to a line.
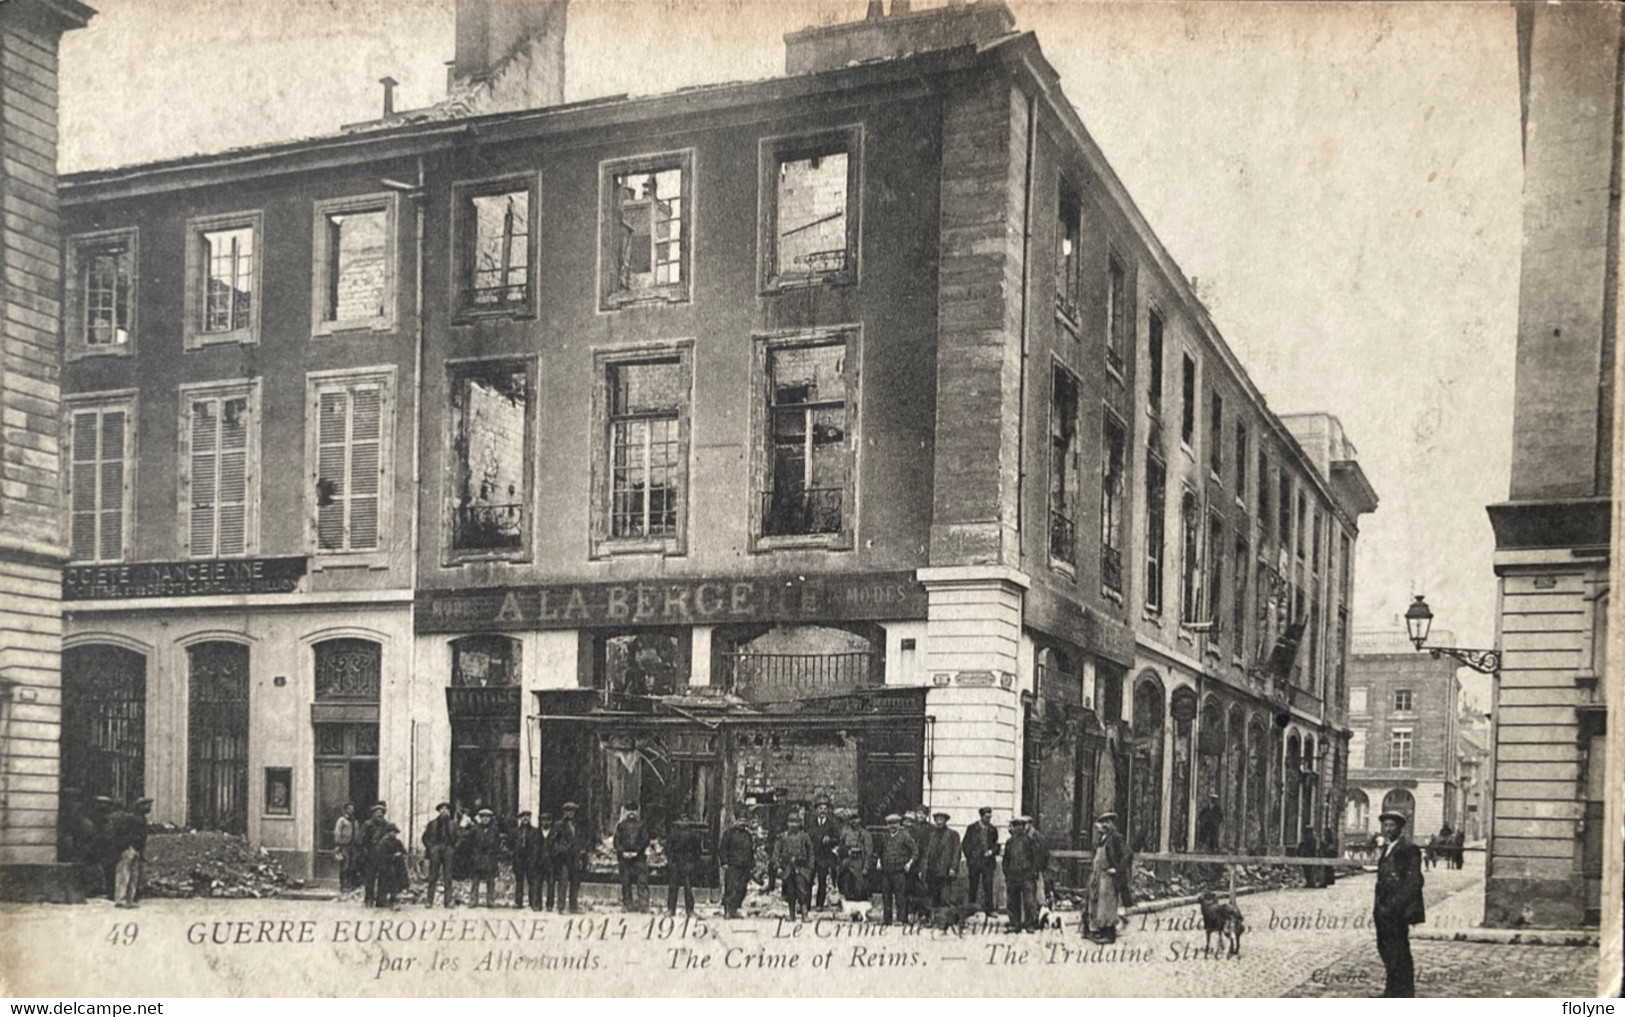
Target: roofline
[412, 139]
[70, 13]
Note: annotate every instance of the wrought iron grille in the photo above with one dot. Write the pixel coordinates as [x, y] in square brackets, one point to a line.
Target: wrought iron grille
[348, 669]
[1063, 538]
[793, 675]
[217, 734]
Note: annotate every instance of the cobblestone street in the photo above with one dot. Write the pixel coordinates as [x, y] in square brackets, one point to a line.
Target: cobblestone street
[1299, 942]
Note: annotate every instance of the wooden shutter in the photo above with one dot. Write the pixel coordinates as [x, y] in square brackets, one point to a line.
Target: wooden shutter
[349, 467]
[220, 476]
[366, 465]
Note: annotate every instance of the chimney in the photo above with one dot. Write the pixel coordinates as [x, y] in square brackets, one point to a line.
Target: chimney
[389, 94]
[882, 37]
[510, 54]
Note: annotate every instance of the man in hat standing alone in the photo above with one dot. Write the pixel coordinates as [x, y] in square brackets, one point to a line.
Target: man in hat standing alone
[1108, 881]
[1398, 905]
[1021, 877]
[372, 831]
[736, 851]
[439, 842]
[482, 842]
[569, 857]
[523, 858]
[940, 859]
[631, 847]
[898, 854]
[825, 831]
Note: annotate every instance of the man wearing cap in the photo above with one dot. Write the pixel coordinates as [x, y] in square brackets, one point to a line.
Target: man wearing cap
[1398, 905]
[344, 829]
[130, 839]
[825, 831]
[1021, 877]
[569, 855]
[898, 855]
[522, 855]
[371, 832]
[940, 859]
[736, 852]
[1108, 881]
[543, 874]
[439, 843]
[482, 843]
[389, 862]
[631, 847]
[981, 848]
[857, 853]
[793, 855]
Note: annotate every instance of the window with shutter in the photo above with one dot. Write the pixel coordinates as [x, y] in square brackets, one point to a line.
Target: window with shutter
[221, 452]
[347, 462]
[98, 495]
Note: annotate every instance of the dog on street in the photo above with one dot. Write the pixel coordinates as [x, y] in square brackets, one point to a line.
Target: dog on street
[1224, 919]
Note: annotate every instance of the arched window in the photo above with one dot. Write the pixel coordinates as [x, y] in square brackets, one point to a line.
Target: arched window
[1145, 762]
[104, 721]
[1291, 790]
[1182, 708]
[1210, 778]
[1235, 779]
[1254, 839]
[217, 737]
[1357, 811]
[1403, 802]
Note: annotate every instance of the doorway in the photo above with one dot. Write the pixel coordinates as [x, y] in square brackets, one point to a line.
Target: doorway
[346, 772]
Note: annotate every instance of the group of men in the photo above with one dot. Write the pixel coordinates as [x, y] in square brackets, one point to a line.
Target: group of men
[108, 843]
[1446, 846]
[371, 855]
[547, 859]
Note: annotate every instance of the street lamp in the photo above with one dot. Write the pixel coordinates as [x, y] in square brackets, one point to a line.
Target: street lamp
[1419, 622]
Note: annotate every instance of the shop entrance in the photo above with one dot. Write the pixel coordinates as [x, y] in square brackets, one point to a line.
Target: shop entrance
[104, 716]
[217, 737]
[483, 704]
[345, 720]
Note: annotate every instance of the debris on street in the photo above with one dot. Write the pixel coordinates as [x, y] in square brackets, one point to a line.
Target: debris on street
[192, 863]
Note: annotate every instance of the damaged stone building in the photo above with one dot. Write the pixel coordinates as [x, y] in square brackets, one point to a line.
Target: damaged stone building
[707, 452]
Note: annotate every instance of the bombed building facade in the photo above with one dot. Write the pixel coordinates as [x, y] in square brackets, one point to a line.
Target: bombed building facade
[846, 433]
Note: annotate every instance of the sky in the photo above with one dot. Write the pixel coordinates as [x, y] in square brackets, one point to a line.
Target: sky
[1342, 181]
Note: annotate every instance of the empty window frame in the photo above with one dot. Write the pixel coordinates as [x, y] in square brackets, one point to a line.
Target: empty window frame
[1190, 592]
[647, 229]
[1215, 433]
[1068, 253]
[1064, 467]
[1156, 510]
[641, 405]
[491, 439]
[1315, 538]
[101, 278]
[494, 223]
[1187, 406]
[1242, 456]
[1240, 597]
[1302, 523]
[101, 440]
[1113, 445]
[353, 279]
[1119, 312]
[810, 226]
[219, 455]
[349, 454]
[1283, 514]
[805, 492]
[224, 263]
[1154, 357]
[1213, 599]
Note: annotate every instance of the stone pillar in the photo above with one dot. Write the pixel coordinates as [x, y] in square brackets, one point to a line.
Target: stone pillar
[972, 648]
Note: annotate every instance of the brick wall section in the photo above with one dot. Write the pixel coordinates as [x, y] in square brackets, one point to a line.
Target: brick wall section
[30, 409]
[979, 327]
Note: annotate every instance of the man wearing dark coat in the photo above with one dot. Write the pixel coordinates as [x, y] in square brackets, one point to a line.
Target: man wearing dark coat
[736, 852]
[543, 872]
[1458, 847]
[1309, 847]
[482, 845]
[940, 859]
[857, 854]
[389, 867]
[685, 852]
[439, 845]
[371, 832]
[1398, 905]
[569, 857]
[1209, 820]
[981, 849]
[825, 831]
[898, 855]
[522, 849]
[1021, 877]
[631, 855]
[1110, 882]
[793, 857]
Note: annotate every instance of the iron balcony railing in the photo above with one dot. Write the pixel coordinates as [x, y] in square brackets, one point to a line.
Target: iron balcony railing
[1111, 568]
[800, 512]
[1063, 538]
[759, 676]
[489, 527]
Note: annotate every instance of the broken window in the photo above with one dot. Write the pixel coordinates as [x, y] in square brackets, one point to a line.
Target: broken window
[809, 456]
[1119, 315]
[497, 249]
[1190, 516]
[1215, 433]
[1156, 509]
[1111, 505]
[228, 279]
[1187, 409]
[642, 664]
[98, 483]
[1068, 250]
[1238, 596]
[1154, 362]
[490, 449]
[811, 225]
[1063, 467]
[646, 403]
[1214, 603]
[220, 456]
[103, 280]
[353, 252]
[646, 235]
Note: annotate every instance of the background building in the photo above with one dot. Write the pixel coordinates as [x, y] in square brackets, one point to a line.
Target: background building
[31, 468]
[1547, 840]
[1403, 749]
[1474, 761]
[730, 447]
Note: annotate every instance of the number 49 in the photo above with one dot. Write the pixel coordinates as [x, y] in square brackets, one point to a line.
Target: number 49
[123, 935]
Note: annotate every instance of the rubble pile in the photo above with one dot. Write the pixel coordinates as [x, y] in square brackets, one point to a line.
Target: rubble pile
[191, 863]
